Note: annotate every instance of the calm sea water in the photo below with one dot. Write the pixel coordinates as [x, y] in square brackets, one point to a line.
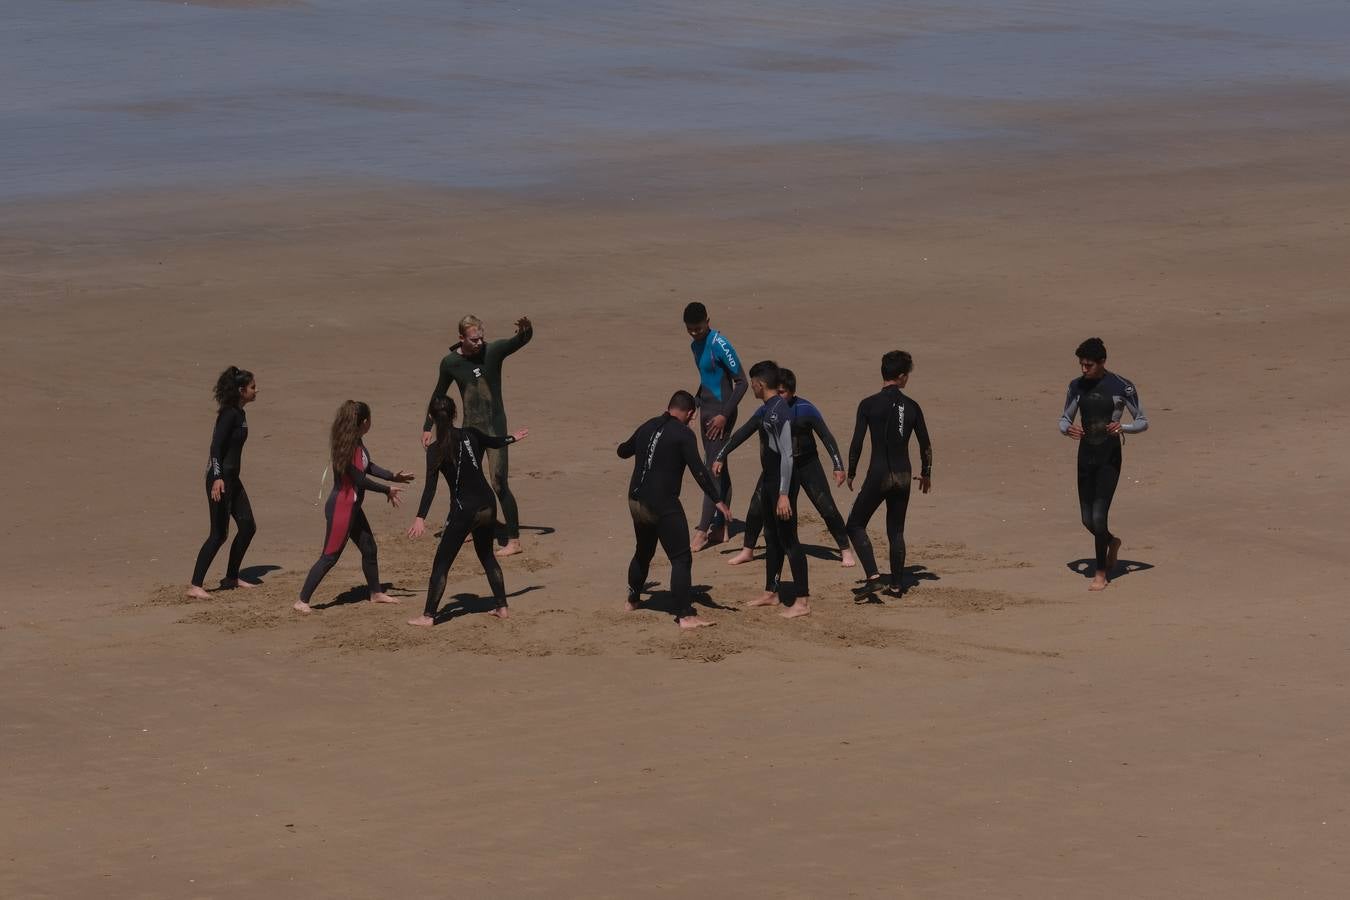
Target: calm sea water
[108, 94]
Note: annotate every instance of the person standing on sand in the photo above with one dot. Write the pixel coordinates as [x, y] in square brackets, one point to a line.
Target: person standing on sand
[807, 423]
[722, 384]
[891, 418]
[352, 468]
[661, 449]
[225, 494]
[1100, 398]
[778, 488]
[457, 455]
[476, 367]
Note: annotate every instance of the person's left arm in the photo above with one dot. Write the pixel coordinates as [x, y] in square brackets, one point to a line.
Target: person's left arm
[925, 449]
[1139, 423]
[816, 422]
[524, 332]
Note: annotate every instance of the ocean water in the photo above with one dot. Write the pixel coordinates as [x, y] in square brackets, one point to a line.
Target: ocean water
[118, 94]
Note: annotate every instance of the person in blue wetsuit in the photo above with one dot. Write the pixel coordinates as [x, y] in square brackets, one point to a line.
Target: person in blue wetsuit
[778, 486]
[807, 425]
[722, 384]
[1099, 398]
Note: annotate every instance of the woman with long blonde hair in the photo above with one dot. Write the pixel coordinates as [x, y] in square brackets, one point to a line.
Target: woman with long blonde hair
[352, 468]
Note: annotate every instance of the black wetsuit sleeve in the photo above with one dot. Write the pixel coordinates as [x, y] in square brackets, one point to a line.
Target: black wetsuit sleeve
[442, 388]
[225, 423]
[689, 451]
[518, 340]
[740, 437]
[377, 470]
[365, 483]
[492, 441]
[628, 449]
[739, 385]
[429, 489]
[817, 424]
[925, 445]
[855, 446]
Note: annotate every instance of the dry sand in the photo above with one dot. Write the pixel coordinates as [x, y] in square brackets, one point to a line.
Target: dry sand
[999, 733]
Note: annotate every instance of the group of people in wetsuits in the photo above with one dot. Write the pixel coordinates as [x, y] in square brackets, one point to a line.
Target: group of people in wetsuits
[472, 459]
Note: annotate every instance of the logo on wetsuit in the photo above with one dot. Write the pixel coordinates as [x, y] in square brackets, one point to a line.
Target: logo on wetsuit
[651, 455]
[477, 372]
[900, 419]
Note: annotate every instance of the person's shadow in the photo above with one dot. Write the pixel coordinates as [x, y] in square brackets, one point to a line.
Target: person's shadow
[875, 591]
[361, 594]
[664, 601]
[1088, 567]
[251, 574]
[468, 604]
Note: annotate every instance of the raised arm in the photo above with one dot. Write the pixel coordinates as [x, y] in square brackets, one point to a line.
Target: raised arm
[689, 452]
[1140, 421]
[524, 332]
[491, 441]
[855, 446]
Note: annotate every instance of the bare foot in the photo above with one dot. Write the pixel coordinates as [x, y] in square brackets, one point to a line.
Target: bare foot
[846, 559]
[383, 598]
[302, 606]
[511, 549]
[240, 583]
[692, 622]
[634, 602]
[768, 598]
[801, 608]
[746, 555]
[1112, 554]
[698, 541]
[422, 621]
[1099, 582]
[501, 612]
[197, 593]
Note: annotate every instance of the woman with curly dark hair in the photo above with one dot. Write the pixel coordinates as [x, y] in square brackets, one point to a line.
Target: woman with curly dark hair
[225, 494]
[352, 468]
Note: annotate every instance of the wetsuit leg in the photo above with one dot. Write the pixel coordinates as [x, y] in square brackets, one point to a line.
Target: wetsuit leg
[897, 505]
[869, 498]
[485, 526]
[499, 470]
[334, 540]
[244, 527]
[646, 533]
[365, 542]
[781, 539]
[673, 531]
[1097, 480]
[457, 528]
[754, 520]
[816, 484]
[220, 525]
[710, 517]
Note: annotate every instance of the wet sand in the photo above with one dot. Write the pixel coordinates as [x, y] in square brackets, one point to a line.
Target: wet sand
[1000, 732]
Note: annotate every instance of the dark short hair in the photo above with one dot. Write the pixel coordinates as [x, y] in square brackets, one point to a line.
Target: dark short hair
[896, 363]
[787, 380]
[681, 400]
[695, 313]
[1093, 349]
[767, 372]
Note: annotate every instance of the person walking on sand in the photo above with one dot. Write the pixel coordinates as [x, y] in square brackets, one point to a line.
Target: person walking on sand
[225, 494]
[661, 449]
[457, 455]
[1100, 398]
[778, 487]
[475, 365]
[722, 384]
[352, 468]
[891, 418]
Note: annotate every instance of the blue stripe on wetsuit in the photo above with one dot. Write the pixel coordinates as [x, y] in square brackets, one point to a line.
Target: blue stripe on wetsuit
[717, 364]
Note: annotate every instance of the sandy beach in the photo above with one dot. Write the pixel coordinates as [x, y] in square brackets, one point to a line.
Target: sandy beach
[999, 732]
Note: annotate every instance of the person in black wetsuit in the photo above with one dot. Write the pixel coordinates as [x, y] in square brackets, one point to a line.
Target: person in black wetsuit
[891, 418]
[722, 384]
[1099, 398]
[225, 494]
[661, 449]
[457, 454]
[778, 486]
[806, 424]
[352, 468]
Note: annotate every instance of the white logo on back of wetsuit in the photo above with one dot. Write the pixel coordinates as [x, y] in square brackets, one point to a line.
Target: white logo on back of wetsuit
[651, 455]
[900, 419]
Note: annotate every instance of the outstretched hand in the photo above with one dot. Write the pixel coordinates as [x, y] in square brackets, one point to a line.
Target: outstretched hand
[403, 477]
[395, 496]
[523, 323]
[521, 435]
[417, 528]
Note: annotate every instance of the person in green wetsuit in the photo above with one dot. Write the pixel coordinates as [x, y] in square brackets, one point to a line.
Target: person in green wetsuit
[476, 366]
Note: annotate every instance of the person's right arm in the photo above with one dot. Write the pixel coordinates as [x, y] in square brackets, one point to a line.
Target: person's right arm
[855, 446]
[365, 482]
[442, 388]
[1066, 425]
[628, 449]
[220, 438]
[740, 437]
[692, 462]
[429, 489]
